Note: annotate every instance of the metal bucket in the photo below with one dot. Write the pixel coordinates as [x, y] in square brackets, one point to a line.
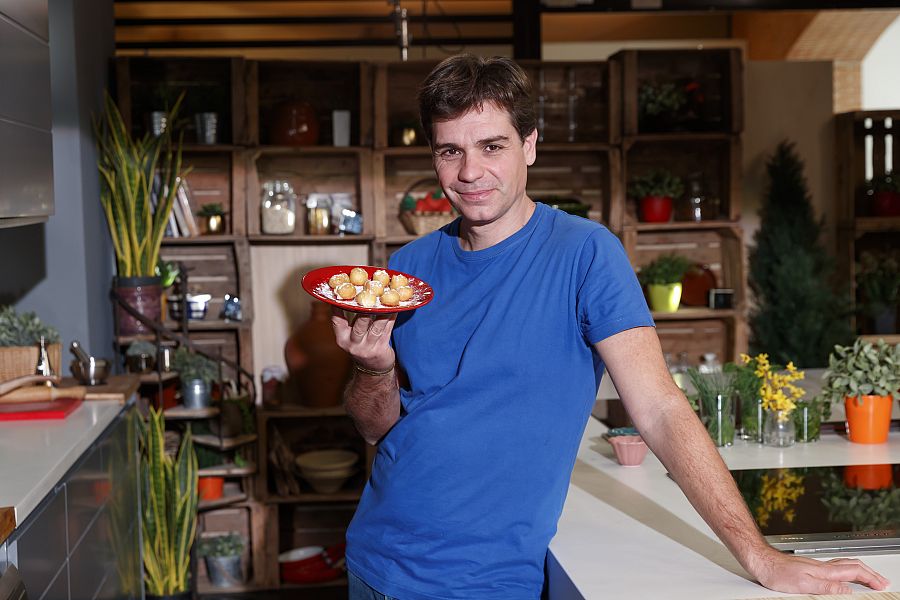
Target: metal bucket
[224, 571]
[195, 394]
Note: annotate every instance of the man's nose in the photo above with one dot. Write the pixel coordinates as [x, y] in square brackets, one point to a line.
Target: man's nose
[471, 168]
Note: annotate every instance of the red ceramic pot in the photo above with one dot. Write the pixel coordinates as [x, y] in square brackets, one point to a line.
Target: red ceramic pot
[886, 204]
[656, 209]
[868, 477]
[210, 488]
[294, 124]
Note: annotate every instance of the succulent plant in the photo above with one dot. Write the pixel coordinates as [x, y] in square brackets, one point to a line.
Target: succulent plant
[25, 329]
[863, 369]
[229, 544]
[665, 269]
[658, 182]
[141, 347]
[191, 365]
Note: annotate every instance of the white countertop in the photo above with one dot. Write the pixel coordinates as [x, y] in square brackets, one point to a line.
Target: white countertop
[34, 455]
[629, 532]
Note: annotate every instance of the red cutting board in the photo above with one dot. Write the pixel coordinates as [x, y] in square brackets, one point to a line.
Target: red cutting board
[27, 411]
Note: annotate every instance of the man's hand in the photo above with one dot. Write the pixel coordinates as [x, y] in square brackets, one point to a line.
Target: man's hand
[366, 339]
[801, 575]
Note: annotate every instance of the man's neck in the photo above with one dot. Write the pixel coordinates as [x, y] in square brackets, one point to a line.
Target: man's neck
[473, 237]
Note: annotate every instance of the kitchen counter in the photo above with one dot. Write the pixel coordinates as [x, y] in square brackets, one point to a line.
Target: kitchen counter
[34, 456]
[629, 532]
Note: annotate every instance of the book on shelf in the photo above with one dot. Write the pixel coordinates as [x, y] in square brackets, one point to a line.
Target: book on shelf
[183, 199]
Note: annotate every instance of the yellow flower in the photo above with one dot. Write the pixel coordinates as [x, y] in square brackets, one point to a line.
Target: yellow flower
[779, 493]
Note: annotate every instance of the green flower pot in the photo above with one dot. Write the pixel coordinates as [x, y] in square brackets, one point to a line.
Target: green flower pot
[664, 297]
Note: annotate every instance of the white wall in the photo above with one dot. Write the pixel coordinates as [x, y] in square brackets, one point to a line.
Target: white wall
[881, 71]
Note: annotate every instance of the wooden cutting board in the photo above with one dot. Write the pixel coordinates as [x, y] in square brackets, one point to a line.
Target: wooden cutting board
[117, 387]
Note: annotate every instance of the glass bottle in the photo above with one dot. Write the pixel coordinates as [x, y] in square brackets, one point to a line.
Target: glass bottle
[709, 363]
[697, 209]
[679, 371]
[278, 209]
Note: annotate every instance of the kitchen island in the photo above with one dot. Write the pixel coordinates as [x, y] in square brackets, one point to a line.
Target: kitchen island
[68, 502]
[629, 532]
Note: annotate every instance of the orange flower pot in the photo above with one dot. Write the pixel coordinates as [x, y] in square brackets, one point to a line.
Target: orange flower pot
[210, 488]
[868, 418]
[868, 477]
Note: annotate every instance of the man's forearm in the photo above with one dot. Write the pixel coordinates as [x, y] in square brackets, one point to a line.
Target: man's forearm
[373, 401]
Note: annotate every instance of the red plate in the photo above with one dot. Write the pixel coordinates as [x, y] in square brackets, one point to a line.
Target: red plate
[316, 284]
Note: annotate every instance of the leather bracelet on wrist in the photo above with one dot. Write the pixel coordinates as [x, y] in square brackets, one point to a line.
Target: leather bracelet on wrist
[362, 369]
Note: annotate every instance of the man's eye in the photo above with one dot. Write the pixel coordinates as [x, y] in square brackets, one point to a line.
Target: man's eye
[493, 148]
[450, 153]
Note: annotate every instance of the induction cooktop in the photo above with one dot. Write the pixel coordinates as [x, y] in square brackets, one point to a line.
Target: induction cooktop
[826, 510]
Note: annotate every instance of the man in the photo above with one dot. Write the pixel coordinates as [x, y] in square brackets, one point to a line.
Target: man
[478, 400]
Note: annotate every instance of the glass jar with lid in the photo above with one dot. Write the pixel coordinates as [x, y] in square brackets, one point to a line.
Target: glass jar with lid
[278, 209]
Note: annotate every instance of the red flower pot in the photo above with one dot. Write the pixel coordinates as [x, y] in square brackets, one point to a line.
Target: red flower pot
[210, 488]
[656, 209]
[868, 477]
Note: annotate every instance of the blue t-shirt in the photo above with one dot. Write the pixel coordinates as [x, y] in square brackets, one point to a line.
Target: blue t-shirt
[467, 488]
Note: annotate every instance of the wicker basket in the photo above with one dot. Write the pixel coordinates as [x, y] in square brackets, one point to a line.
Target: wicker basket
[420, 223]
[18, 361]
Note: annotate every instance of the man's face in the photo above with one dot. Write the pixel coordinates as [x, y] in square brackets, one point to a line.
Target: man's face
[482, 164]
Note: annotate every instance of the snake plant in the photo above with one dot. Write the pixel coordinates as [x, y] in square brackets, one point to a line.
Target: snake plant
[169, 505]
[139, 181]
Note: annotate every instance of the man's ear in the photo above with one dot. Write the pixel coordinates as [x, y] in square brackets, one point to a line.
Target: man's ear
[529, 147]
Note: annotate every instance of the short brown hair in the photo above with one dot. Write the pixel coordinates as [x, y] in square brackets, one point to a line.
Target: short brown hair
[463, 82]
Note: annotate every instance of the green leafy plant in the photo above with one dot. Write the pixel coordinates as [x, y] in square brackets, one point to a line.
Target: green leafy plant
[862, 369]
[658, 182]
[229, 544]
[660, 98]
[710, 388]
[191, 365]
[878, 277]
[747, 386]
[212, 209]
[137, 209]
[665, 269]
[808, 416]
[798, 316]
[168, 272]
[24, 329]
[141, 347]
[863, 510]
[169, 508]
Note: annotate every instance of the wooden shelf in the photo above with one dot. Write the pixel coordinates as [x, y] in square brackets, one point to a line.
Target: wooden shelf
[295, 411]
[396, 240]
[204, 587]
[224, 501]
[340, 581]
[181, 413]
[201, 240]
[679, 136]
[156, 377]
[340, 496]
[574, 147]
[692, 314]
[310, 150]
[228, 470]
[423, 151]
[683, 225]
[211, 148]
[214, 441]
[874, 224]
[890, 338]
[310, 239]
[208, 325]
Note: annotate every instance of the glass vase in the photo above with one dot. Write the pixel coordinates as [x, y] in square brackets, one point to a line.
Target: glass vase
[752, 414]
[779, 429]
[808, 423]
[717, 414]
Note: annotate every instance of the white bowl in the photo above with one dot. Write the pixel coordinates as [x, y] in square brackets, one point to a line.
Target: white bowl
[327, 483]
[323, 461]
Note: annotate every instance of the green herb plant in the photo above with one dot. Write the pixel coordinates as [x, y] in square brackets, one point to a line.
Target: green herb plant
[191, 365]
[666, 269]
[212, 209]
[711, 388]
[168, 272]
[141, 347]
[24, 329]
[863, 510]
[658, 182]
[659, 98]
[746, 386]
[863, 369]
[229, 544]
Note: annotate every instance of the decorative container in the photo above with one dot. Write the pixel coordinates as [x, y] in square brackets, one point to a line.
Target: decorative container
[19, 361]
[778, 429]
[630, 449]
[655, 209]
[315, 361]
[420, 223]
[195, 394]
[868, 418]
[664, 297]
[210, 488]
[808, 423]
[224, 571]
[143, 295]
[718, 415]
[869, 477]
[278, 209]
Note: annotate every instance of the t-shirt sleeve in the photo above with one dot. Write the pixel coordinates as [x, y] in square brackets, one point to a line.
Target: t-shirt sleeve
[609, 298]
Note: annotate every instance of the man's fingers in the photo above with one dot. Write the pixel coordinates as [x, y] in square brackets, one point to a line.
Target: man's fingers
[851, 569]
[383, 326]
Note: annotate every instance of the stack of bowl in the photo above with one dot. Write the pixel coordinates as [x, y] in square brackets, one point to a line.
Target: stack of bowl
[327, 470]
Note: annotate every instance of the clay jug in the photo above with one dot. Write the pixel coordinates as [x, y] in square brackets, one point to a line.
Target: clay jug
[315, 362]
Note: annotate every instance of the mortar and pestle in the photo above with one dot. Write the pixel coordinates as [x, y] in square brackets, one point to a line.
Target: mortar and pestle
[87, 369]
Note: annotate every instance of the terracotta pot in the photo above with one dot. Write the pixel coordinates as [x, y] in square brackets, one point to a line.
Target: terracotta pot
[886, 204]
[294, 124]
[142, 294]
[656, 209]
[868, 477]
[664, 298]
[868, 418]
[315, 361]
[210, 488]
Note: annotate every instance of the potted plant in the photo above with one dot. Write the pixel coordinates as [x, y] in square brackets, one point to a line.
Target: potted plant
[140, 357]
[138, 182]
[655, 192]
[20, 337]
[209, 487]
[885, 191]
[197, 374]
[662, 278]
[864, 507]
[168, 511]
[878, 279]
[808, 416]
[866, 377]
[213, 218]
[659, 104]
[747, 384]
[222, 554]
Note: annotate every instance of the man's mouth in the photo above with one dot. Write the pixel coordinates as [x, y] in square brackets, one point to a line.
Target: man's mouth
[473, 195]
